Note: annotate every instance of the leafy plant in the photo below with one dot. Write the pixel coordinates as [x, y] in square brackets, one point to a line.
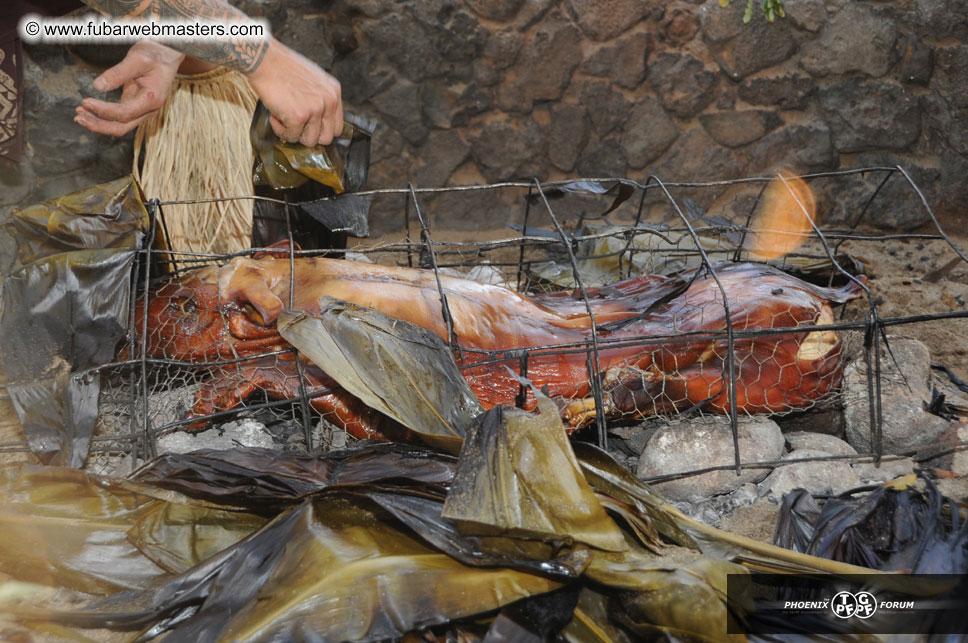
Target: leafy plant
[771, 8]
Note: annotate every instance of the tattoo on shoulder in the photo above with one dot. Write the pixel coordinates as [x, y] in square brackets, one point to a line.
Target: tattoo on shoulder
[240, 54]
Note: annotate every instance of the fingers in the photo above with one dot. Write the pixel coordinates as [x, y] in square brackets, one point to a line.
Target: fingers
[135, 106]
[129, 68]
[313, 132]
[338, 112]
[98, 125]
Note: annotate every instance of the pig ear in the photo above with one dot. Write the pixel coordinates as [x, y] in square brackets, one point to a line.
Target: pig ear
[278, 249]
[248, 285]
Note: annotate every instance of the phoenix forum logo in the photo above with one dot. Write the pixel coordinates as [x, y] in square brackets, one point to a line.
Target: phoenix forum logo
[846, 605]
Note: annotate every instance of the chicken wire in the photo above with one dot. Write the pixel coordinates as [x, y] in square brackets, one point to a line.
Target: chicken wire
[562, 229]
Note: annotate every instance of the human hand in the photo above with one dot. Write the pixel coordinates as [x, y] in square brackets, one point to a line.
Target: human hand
[306, 103]
[146, 73]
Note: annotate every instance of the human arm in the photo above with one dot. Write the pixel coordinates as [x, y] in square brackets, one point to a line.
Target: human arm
[305, 101]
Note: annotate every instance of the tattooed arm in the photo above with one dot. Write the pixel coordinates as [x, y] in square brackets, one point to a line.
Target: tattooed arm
[304, 100]
[241, 55]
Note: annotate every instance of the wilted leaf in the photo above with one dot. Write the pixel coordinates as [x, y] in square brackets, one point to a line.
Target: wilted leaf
[518, 475]
[331, 569]
[393, 366]
[421, 512]
[266, 481]
[592, 623]
[897, 526]
[65, 528]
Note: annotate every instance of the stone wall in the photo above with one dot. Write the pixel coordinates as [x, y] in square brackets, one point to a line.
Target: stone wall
[469, 92]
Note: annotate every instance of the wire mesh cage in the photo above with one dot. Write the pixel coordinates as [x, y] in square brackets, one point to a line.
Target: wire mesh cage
[622, 299]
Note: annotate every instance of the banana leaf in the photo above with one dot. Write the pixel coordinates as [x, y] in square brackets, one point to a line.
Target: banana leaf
[66, 528]
[610, 478]
[342, 165]
[897, 526]
[517, 475]
[263, 480]
[592, 622]
[332, 568]
[393, 366]
[107, 216]
[65, 308]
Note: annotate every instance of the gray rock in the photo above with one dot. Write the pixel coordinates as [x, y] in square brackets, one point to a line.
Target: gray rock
[720, 25]
[648, 133]
[917, 62]
[857, 39]
[806, 14]
[950, 73]
[697, 157]
[887, 471]
[404, 43]
[954, 181]
[485, 73]
[386, 144]
[734, 129]
[503, 46]
[533, 12]
[870, 115]
[712, 511]
[445, 105]
[741, 49]
[686, 445]
[790, 91]
[941, 453]
[817, 477]
[904, 393]
[606, 106]
[683, 83]
[623, 61]
[942, 19]
[897, 206]
[438, 102]
[399, 104]
[362, 75]
[49, 109]
[807, 148]
[246, 433]
[818, 442]
[501, 10]
[457, 35]
[603, 158]
[945, 126]
[605, 19]
[679, 25]
[443, 153]
[308, 41]
[369, 8]
[567, 135]
[16, 180]
[503, 146]
[544, 69]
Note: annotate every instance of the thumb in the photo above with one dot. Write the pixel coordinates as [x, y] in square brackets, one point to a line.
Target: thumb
[129, 68]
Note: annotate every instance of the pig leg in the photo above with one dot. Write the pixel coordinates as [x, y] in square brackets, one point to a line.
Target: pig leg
[279, 379]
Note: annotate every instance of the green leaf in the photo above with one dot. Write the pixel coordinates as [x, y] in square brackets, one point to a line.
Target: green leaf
[393, 366]
[517, 475]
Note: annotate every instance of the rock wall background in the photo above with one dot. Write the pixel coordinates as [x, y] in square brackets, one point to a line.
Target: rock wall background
[478, 91]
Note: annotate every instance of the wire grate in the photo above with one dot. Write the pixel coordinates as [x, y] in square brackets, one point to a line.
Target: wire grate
[574, 240]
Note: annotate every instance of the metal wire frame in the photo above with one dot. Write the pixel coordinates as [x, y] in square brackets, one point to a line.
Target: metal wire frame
[873, 327]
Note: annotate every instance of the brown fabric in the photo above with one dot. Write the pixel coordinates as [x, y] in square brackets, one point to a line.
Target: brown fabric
[12, 72]
[11, 99]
